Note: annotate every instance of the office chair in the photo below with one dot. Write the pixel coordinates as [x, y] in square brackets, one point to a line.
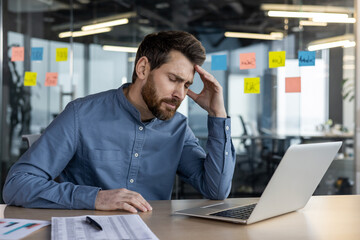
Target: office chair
[247, 163]
[30, 138]
[248, 154]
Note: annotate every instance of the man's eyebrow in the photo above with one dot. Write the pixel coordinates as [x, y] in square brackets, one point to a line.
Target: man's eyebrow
[180, 78]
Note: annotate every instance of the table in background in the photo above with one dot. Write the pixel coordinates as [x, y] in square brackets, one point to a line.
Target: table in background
[324, 217]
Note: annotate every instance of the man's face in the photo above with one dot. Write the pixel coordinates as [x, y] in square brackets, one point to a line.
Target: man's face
[167, 86]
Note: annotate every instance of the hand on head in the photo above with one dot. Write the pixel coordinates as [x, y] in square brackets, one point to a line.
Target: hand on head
[211, 97]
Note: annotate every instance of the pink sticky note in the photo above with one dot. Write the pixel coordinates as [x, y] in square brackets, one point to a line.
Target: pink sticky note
[17, 54]
[51, 79]
[293, 84]
[247, 60]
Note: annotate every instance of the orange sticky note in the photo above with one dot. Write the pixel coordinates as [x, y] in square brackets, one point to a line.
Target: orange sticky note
[292, 84]
[30, 79]
[247, 60]
[17, 54]
[252, 85]
[277, 59]
[61, 54]
[51, 79]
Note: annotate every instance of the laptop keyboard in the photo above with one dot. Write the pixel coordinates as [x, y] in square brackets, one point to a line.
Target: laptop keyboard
[239, 212]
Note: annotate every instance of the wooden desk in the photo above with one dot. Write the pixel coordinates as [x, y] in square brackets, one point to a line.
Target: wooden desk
[324, 217]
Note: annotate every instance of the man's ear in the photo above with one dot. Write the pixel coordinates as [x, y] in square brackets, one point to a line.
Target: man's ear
[143, 68]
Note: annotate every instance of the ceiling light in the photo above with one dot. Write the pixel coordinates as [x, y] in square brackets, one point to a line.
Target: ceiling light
[105, 24]
[332, 20]
[84, 1]
[162, 5]
[349, 66]
[349, 58]
[271, 36]
[119, 49]
[312, 23]
[83, 33]
[328, 45]
[338, 41]
[318, 15]
[305, 8]
[350, 44]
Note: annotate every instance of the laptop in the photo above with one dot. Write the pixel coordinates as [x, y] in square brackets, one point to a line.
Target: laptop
[289, 189]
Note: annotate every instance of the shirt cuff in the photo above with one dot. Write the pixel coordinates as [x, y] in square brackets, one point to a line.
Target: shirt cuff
[219, 127]
[84, 197]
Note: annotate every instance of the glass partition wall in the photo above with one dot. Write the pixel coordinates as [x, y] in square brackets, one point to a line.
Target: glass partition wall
[287, 69]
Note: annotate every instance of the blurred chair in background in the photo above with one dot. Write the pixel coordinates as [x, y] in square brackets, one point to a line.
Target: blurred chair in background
[30, 139]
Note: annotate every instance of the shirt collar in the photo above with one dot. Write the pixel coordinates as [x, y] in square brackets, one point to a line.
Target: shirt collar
[128, 106]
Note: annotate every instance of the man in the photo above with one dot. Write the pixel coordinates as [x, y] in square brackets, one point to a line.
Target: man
[119, 148]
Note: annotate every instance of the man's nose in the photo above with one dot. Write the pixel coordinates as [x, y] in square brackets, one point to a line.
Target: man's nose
[179, 92]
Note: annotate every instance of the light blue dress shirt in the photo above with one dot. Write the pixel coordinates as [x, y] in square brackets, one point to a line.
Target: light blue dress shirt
[99, 142]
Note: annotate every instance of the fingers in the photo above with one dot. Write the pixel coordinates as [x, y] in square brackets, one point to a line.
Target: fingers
[192, 95]
[135, 200]
[129, 208]
[121, 199]
[204, 75]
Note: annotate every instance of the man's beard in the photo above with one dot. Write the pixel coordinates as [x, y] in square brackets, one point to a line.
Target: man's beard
[153, 102]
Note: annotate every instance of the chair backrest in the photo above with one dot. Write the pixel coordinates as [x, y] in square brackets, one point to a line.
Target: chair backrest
[243, 125]
[30, 138]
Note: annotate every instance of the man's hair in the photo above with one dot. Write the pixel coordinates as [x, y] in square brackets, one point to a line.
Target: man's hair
[157, 46]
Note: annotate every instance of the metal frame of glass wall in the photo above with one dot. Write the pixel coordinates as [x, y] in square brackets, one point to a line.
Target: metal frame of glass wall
[1, 83]
[357, 98]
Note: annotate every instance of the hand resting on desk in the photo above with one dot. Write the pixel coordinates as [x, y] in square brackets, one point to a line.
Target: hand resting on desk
[123, 199]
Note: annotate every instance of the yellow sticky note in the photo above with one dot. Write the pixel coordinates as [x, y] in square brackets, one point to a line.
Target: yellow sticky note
[252, 85]
[30, 79]
[61, 54]
[277, 59]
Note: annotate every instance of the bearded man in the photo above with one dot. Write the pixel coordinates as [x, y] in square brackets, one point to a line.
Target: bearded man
[120, 148]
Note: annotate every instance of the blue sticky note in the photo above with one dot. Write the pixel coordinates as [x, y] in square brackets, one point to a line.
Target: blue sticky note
[218, 62]
[37, 53]
[306, 58]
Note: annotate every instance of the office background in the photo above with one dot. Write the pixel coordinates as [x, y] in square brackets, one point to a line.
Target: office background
[264, 124]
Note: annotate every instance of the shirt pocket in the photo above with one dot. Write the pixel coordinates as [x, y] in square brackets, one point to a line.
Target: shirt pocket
[108, 168]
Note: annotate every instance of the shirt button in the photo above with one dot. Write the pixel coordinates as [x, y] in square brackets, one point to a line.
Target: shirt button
[227, 128]
[131, 180]
[136, 154]
[141, 128]
[226, 153]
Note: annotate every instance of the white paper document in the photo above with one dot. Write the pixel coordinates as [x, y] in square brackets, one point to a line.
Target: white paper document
[11, 228]
[114, 227]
